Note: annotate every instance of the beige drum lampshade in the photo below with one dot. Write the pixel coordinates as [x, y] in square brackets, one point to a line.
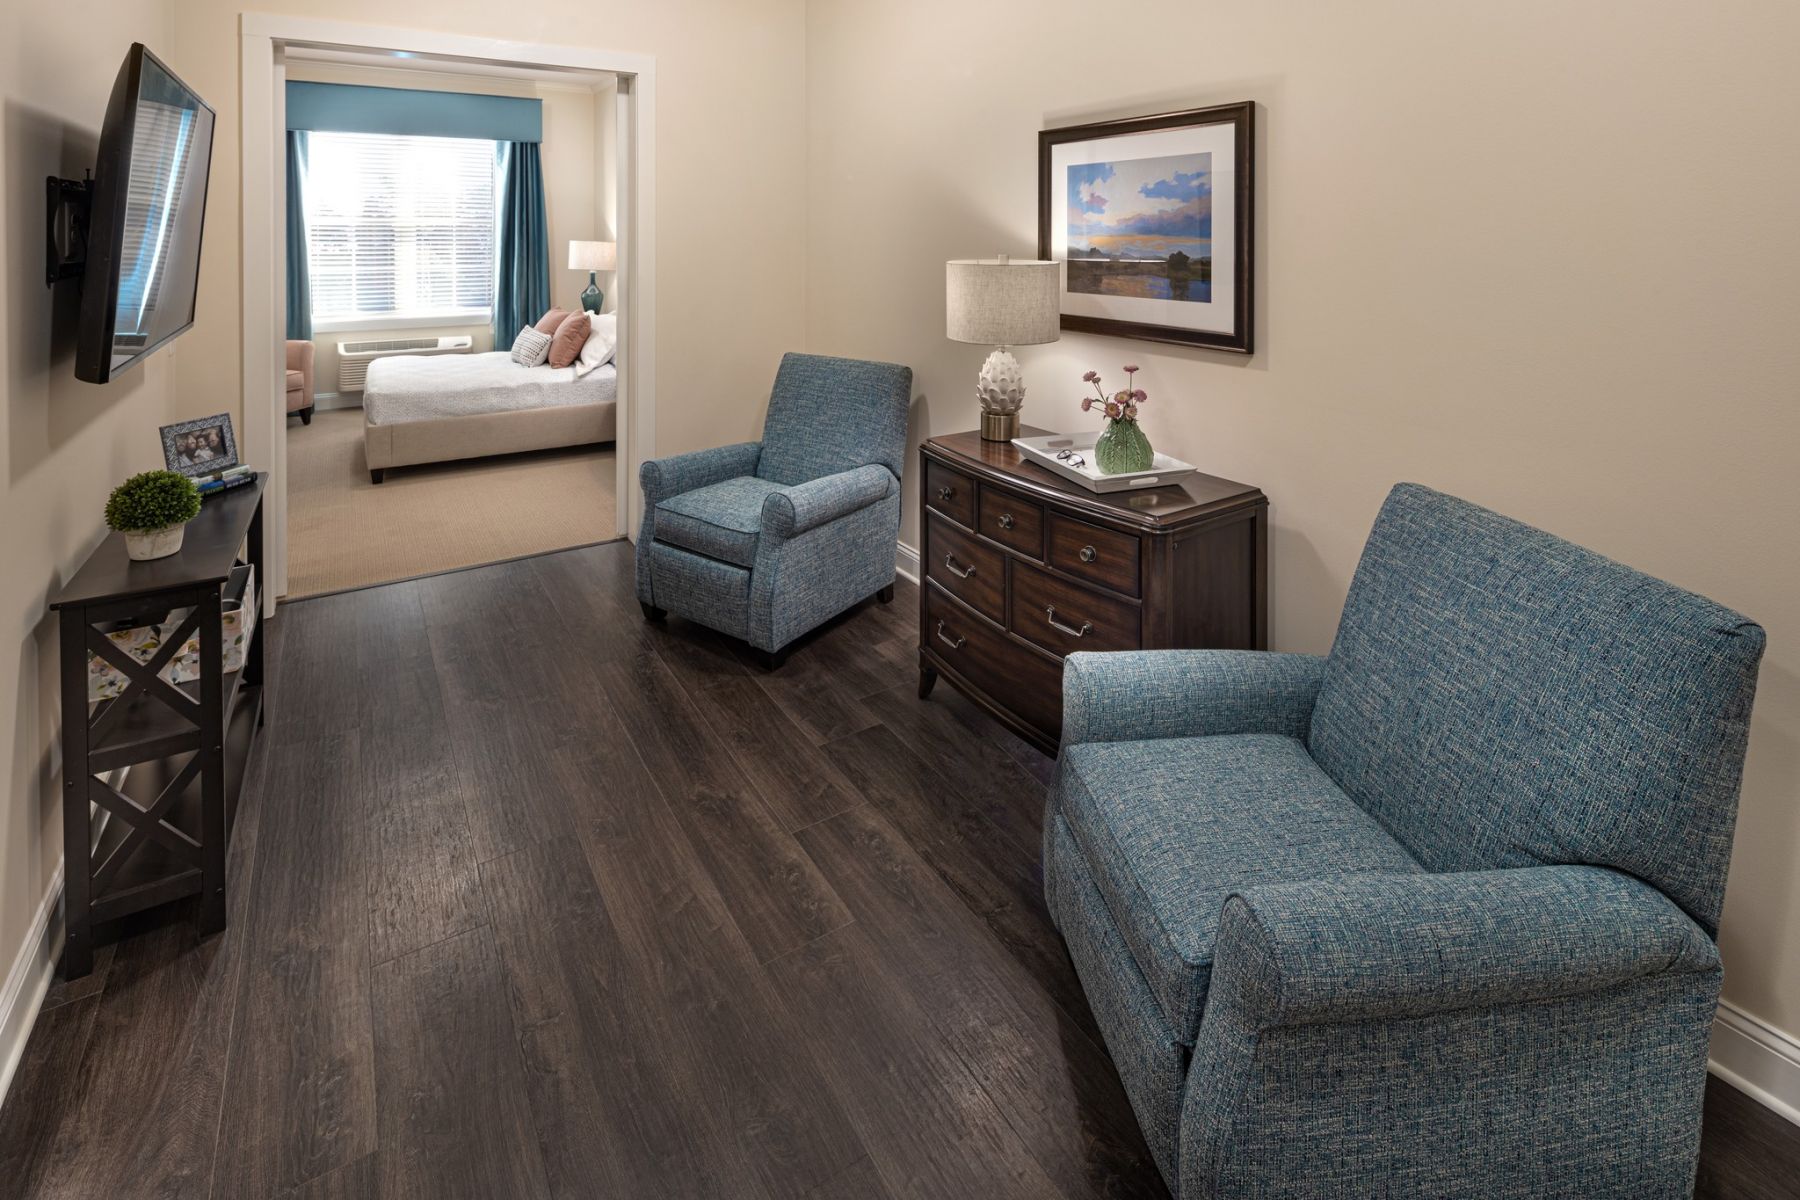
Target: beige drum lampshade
[1002, 301]
[593, 256]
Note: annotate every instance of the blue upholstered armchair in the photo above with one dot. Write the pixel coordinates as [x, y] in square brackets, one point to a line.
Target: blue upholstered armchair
[767, 540]
[1433, 915]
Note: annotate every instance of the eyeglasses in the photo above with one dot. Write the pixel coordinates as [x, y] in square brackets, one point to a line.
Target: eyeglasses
[1071, 457]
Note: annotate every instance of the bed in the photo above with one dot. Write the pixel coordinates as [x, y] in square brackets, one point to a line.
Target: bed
[437, 408]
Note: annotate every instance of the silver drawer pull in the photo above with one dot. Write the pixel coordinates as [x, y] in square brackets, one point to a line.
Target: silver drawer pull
[1050, 615]
[1087, 554]
[953, 643]
[1006, 520]
[950, 566]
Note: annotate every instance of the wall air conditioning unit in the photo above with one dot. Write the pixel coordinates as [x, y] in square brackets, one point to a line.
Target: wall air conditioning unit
[354, 357]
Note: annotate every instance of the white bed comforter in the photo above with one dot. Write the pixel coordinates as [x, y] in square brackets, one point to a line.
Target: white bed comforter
[431, 387]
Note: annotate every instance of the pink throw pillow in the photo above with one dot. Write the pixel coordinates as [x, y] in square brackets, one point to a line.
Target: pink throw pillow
[550, 321]
[570, 337]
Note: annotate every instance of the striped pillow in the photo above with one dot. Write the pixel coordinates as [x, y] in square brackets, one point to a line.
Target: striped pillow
[531, 348]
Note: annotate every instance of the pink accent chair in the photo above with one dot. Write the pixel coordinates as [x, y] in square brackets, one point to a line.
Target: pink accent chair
[300, 381]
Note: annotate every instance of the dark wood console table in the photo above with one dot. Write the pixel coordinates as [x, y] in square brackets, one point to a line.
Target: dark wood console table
[1019, 567]
[171, 847]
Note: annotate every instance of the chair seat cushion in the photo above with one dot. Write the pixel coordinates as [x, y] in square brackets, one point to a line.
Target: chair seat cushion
[722, 520]
[1171, 828]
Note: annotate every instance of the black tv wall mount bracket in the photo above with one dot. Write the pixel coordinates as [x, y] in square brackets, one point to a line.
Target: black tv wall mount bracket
[67, 203]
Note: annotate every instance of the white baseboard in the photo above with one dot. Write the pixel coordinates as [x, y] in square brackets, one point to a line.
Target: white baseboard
[325, 401]
[1757, 1059]
[906, 561]
[28, 980]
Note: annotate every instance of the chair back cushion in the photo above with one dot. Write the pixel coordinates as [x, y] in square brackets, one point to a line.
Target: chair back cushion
[833, 414]
[1499, 697]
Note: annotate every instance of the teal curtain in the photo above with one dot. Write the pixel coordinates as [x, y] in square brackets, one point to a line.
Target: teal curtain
[299, 284]
[521, 243]
[348, 108]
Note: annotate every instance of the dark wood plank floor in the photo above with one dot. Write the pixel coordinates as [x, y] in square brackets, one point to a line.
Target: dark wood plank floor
[533, 899]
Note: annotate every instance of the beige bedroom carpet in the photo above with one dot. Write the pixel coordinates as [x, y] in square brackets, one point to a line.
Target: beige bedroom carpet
[345, 532]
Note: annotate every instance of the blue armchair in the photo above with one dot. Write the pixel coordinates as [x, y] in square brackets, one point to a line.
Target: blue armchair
[766, 540]
[1433, 915]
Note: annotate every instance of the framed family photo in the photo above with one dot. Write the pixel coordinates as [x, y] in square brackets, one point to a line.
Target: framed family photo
[1152, 218]
[201, 447]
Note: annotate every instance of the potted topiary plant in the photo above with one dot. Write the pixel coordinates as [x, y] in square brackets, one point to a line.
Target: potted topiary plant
[151, 510]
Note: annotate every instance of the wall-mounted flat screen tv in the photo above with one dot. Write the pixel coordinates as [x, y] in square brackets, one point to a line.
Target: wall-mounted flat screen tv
[147, 209]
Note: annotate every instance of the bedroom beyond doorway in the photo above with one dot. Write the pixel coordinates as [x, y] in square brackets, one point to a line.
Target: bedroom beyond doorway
[345, 532]
[435, 204]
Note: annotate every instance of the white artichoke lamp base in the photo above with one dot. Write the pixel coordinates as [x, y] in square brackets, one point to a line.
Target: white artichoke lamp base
[1001, 390]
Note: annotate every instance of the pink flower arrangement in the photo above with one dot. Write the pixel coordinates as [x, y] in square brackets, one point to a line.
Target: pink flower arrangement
[1121, 405]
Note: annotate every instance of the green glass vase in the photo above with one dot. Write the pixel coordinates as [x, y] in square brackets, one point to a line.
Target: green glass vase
[1123, 448]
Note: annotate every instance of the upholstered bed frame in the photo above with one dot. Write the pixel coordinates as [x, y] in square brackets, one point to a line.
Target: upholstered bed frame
[409, 443]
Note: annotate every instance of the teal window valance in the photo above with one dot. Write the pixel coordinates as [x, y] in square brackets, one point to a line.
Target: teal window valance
[349, 108]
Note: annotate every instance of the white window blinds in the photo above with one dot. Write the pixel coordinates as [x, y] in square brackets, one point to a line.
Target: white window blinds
[399, 226]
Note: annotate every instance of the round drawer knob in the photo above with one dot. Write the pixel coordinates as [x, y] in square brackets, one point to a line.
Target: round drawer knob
[1006, 520]
[944, 494]
[1087, 554]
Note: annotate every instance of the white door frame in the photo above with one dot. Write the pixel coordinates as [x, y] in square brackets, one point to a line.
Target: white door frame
[262, 140]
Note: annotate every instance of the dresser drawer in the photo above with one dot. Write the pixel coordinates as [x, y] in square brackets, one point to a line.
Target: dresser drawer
[1103, 556]
[1012, 675]
[950, 492]
[1013, 521]
[1063, 617]
[968, 570]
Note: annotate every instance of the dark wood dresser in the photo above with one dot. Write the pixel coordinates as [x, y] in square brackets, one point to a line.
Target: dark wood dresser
[1019, 567]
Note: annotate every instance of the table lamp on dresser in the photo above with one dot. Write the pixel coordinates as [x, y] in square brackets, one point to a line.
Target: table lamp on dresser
[1001, 303]
[592, 257]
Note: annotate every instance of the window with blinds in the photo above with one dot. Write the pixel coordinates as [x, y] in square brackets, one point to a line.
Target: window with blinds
[399, 227]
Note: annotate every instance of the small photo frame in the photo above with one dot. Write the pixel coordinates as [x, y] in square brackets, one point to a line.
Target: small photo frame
[200, 447]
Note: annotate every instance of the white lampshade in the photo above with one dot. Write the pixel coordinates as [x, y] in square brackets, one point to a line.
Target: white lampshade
[593, 256]
[1002, 301]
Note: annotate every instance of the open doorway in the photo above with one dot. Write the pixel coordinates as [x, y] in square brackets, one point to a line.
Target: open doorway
[418, 440]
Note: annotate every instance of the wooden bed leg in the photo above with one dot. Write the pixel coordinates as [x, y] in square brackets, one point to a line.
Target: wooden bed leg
[771, 660]
[652, 613]
[377, 474]
[886, 594]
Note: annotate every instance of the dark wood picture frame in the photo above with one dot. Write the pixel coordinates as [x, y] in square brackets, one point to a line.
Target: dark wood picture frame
[1243, 226]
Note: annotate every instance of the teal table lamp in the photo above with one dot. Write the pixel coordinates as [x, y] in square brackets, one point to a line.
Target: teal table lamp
[592, 257]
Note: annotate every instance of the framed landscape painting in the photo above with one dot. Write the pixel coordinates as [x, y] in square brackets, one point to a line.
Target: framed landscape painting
[1152, 219]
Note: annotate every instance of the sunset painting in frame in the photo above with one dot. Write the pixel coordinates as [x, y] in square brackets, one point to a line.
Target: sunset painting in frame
[1151, 219]
[1142, 228]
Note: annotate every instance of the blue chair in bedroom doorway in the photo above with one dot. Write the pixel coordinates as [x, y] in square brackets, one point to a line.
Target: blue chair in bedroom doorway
[767, 540]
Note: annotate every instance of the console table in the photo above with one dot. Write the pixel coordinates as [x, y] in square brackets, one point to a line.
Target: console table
[172, 847]
[1019, 567]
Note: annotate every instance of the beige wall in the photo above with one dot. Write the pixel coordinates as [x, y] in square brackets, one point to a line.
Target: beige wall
[63, 444]
[730, 139]
[1538, 254]
[571, 157]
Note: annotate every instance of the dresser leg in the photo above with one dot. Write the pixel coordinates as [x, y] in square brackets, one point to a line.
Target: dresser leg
[927, 681]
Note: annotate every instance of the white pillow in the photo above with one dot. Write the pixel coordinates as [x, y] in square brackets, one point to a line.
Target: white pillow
[603, 339]
[531, 348]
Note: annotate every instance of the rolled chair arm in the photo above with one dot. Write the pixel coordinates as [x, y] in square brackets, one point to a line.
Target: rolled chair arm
[794, 510]
[1392, 946]
[1142, 695]
[665, 477]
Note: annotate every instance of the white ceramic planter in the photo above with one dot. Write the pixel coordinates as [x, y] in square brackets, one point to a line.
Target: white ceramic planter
[154, 543]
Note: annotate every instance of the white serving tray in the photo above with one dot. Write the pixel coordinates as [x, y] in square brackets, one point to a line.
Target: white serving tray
[1043, 450]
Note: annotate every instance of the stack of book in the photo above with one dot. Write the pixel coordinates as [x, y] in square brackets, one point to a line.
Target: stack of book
[224, 481]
